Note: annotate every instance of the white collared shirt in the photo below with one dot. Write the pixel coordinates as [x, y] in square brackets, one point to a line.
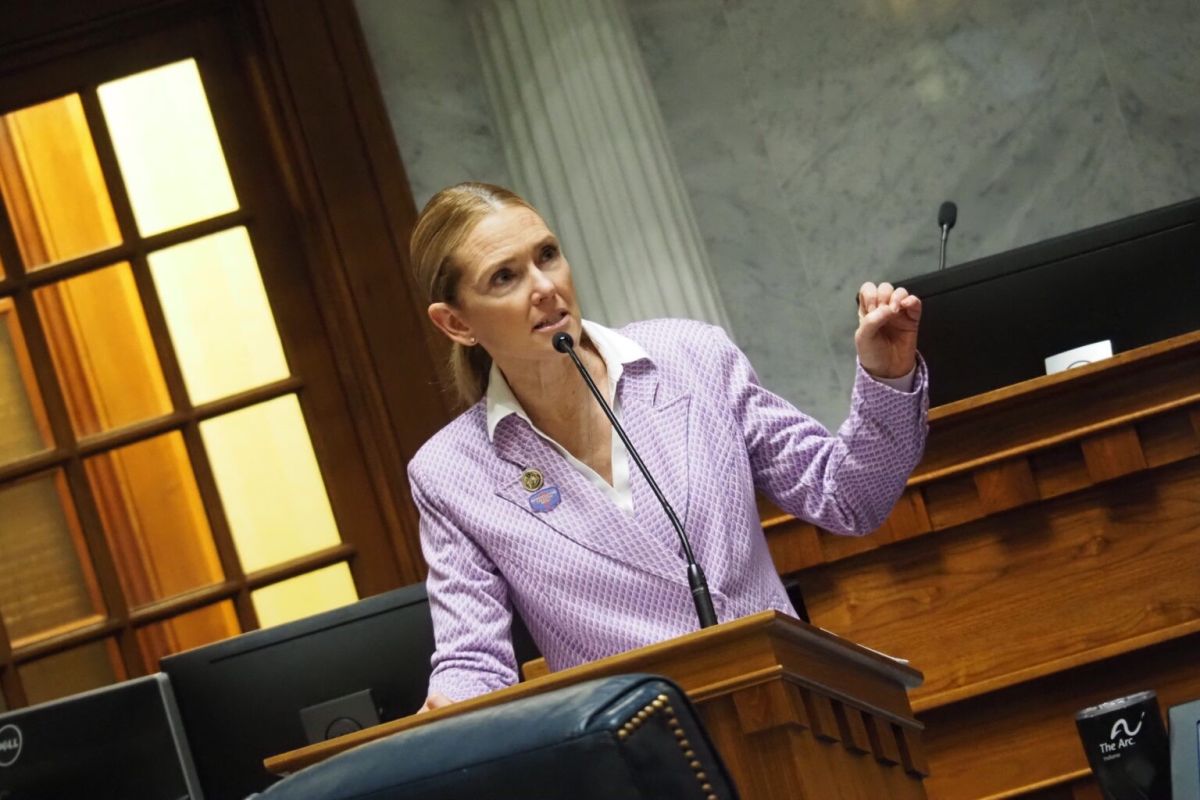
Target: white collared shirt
[617, 351]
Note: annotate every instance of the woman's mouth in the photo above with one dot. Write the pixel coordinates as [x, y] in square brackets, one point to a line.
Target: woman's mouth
[554, 322]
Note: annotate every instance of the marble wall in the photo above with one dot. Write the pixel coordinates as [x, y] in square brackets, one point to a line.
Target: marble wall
[816, 140]
[428, 69]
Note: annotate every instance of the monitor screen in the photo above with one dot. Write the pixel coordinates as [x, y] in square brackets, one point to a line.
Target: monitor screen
[1184, 725]
[118, 742]
[992, 322]
[271, 691]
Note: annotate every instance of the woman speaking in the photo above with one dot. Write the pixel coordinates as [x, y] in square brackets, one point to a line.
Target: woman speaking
[528, 499]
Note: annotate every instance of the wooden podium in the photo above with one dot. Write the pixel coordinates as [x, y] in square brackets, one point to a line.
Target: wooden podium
[794, 711]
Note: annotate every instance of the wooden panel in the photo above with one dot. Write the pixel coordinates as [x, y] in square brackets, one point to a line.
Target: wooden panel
[777, 725]
[912, 751]
[909, 517]
[953, 501]
[1023, 739]
[794, 546]
[769, 705]
[1028, 592]
[852, 727]
[1061, 530]
[821, 717]
[1113, 454]
[1060, 470]
[1005, 485]
[720, 719]
[1037, 410]
[1168, 438]
[1082, 789]
[883, 741]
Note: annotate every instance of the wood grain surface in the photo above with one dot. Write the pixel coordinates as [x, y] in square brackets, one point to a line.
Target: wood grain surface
[1045, 556]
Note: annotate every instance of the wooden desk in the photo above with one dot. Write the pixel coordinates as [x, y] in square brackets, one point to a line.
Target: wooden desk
[1044, 557]
[793, 710]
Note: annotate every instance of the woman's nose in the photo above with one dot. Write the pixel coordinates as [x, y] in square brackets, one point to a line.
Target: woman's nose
[543, 287]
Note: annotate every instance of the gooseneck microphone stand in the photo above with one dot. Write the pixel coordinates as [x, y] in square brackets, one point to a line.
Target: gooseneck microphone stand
[563, 343]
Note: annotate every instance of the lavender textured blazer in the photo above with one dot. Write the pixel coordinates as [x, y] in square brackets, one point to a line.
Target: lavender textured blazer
[590, 580]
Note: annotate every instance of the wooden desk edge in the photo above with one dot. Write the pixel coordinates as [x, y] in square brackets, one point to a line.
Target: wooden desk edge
[773, 622]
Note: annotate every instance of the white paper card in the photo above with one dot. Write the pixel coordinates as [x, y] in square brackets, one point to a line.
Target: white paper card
[1077, 357]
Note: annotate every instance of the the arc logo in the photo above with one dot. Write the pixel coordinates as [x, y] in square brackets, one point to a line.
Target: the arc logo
[10, 745]
[1121, 725]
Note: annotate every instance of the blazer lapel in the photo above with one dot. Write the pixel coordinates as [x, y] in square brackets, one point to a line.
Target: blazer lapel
[657, 423]
[584, 514]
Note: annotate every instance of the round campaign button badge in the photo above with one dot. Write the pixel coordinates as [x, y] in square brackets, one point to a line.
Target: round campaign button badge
[532, 480]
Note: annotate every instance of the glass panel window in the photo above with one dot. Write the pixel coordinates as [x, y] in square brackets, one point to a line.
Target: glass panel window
[46, 583]
[102, 351]
[52, 185]
[167, 147]
[24, 429]
[193, 629]
[78, 670]
[217, 311]
[154, 519]
[304, 596]
[269, 483]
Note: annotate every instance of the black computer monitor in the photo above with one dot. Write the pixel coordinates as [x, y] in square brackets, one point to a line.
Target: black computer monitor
[119, 742]
[270, 691]
[993, 322]
[1184, 723]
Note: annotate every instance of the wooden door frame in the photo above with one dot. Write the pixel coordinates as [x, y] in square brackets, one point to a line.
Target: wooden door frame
[316, 95]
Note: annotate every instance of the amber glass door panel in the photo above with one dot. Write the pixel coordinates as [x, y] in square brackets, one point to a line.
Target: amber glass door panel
[51, 183]
[270, 485]
[24, 428]
[176, 440]
[163, 133]
[46, 581]
[190, 629]
[154, 519]
[77, 670]
[216, 309]
[100, 342]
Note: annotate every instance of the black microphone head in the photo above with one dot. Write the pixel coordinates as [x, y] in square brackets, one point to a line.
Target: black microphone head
[947, 215]
[563, 342]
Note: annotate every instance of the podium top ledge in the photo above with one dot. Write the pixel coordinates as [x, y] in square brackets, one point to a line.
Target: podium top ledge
[764, 629]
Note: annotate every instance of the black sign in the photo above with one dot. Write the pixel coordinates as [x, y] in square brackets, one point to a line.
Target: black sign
[1126, 745]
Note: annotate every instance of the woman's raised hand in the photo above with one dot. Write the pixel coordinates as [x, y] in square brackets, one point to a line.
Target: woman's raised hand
[886, 338]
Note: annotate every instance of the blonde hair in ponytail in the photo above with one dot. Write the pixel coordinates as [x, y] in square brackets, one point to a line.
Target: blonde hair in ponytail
[444, 224]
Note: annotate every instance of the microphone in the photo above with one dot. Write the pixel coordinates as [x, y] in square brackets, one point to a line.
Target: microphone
[563, 343]
[947, 216]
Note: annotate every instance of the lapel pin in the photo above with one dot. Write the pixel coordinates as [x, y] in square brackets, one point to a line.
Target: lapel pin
[546, 499]
[532, 480]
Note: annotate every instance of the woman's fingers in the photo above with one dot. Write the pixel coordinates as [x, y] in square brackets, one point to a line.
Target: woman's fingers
[911, 306]
[866, 299]
[873, 296]
[883, 294]
[870, 323]
[435, 700]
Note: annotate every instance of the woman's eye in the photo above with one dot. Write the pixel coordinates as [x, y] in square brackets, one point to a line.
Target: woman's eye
[549, 252]
[502, 276]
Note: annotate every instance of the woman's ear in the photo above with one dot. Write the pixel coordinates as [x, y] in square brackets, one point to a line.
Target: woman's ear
[451, 323]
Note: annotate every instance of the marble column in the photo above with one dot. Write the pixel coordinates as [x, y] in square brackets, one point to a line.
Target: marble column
[585, 142]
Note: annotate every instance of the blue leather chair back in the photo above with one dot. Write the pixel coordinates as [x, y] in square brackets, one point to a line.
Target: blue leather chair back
[630, 736]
